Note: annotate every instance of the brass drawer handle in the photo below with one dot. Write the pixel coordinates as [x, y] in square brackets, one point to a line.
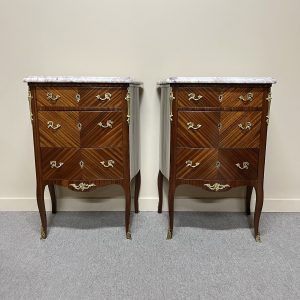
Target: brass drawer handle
[244, 166]
[248, 98]
[82, 186]
[110, 163]
[192, 96]
[189, 163]
[191, 125]
[217, 186]
[109, 124]
[53, 164]
[247, 126]
[51, 125]
[107, 96]
[51, 97]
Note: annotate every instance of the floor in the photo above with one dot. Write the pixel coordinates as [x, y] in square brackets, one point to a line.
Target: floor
[211, 256]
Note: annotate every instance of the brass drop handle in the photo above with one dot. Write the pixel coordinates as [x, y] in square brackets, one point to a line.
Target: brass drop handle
[51, 97]
[52, 126]
[192, 96]
[245, 165]
[189, 163]
[191, 125]
[53, 164]
[248, 98]
[246, 126]
[108, 164]
[109, 124]
[107, 96]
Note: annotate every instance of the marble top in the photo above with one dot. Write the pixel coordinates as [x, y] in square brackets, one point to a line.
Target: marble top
[81, 79]
[252, 80]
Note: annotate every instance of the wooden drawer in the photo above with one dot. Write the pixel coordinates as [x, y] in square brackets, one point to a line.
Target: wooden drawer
[196, 163]
[61, 163]
[198, 97]
[238, 164]
[101, 129]
[81, 97]
[80, 129]
[106, 97]
[103, 163]
[82, 164]
[242, 97]
[198, 129]
[57, 96]
[240, 129]
[59, 129]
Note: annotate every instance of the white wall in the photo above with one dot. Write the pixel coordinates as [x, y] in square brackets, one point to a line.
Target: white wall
[149, 40]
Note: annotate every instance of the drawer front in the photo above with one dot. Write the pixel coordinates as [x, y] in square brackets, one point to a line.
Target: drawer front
[61, 163]
[57, 96]
[102, 163]
[101, 129]
[242, 97]
[59, 129]
[82, 164]
[238, 164]
[198, 97]
[198, 129]
[196, 163]
[240, 129]
[106, 97]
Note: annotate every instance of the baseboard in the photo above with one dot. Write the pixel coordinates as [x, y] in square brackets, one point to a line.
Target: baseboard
[148, 204]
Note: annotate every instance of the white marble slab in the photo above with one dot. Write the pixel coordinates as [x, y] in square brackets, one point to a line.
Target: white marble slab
[80, 79]
[251, 80]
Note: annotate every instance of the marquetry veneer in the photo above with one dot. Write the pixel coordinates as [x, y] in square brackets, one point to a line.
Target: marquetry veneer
[86, 135]
[213, 135]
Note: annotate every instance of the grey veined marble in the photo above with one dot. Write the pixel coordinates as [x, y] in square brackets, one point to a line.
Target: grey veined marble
[251, 80]
[81, 79]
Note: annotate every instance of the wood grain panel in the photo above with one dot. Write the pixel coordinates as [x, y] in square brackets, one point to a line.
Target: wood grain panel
[231, 96]
[206, 158]
[209, 96]
[70, 158]
[231, 136]
[207, 136]
[88, 97]
[93, 135]
[246, 158]
[67, 135]
[94, 169]
[67, 96]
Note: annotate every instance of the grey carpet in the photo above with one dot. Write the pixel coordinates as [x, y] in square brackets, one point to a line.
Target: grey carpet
[211, 256]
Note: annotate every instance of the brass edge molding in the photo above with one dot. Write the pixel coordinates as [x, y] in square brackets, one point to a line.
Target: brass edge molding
[269, 99]
[128, 98]
[171, 99]
[30, 107]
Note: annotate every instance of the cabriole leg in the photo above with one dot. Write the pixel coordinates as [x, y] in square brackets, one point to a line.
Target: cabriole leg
[258, 208]
[127, 210]
[53, 197]
[41, 205]
[248, 199]
[137, 191]
[171, 210]
[160, 179]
